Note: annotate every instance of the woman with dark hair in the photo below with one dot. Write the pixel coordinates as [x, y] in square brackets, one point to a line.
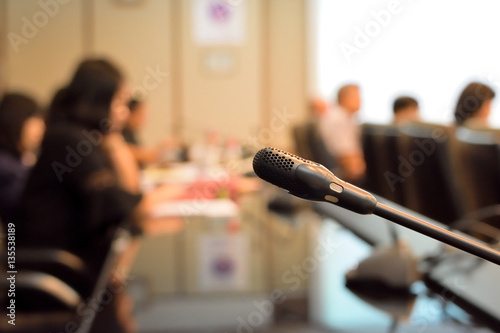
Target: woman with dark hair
[21, 130]
[74, 177]
[86, 100]
[474, 106]
[86, 182]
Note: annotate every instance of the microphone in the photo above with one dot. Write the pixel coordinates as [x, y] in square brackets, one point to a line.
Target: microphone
[312, 181]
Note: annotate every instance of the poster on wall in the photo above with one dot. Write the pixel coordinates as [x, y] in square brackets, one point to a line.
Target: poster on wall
[223, 262]
[219, 22]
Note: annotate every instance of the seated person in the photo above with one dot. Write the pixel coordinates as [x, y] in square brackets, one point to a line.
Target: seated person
[86, 182]
[146, 155]
[318, 107]
[341, 134]
[474, 106]
[405, 110]
[21, 130]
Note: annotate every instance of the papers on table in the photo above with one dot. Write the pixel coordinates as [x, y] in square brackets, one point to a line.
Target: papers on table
[216, 208]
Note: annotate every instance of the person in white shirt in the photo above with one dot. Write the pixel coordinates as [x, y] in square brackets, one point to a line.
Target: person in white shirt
[341, 133]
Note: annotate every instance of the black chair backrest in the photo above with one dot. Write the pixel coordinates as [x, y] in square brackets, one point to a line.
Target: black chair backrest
[478, 158]
[301, 140]
[380, 149]
[429, 184]
[311, 146]
[58, 263]
[46, 292]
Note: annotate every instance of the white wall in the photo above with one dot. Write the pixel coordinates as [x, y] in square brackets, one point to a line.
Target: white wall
[139, 38]
[230, 103]
[42, 46]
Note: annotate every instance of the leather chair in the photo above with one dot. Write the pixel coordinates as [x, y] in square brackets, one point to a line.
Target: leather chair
[310, 145]
[477, 160]
[48, 288]
[380, 149]
[478, 156]
[429, 184]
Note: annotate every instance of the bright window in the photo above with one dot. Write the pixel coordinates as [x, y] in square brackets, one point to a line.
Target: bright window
[426, 49]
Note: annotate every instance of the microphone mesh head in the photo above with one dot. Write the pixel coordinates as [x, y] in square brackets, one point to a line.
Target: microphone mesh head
[275, 166]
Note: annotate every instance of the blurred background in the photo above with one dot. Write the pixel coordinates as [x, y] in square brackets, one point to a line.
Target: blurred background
[241, 75]
[192, 78]
[277, 55]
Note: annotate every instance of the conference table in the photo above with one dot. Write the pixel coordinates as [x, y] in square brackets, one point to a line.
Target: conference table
[180, 233]
[457, 293]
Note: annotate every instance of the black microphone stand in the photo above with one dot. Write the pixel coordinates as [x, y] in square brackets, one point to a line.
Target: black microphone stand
[437, 233]
[312, 181]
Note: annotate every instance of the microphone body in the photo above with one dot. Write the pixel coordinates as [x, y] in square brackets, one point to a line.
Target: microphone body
[312, 181]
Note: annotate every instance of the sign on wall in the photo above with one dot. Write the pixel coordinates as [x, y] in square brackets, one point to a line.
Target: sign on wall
[219, 22]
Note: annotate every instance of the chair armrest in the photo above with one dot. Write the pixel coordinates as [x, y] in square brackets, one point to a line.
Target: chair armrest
[56, 262]
[37, 290]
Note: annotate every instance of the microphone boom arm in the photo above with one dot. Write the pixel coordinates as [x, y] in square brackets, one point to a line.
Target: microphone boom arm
[437, 233]
[312, 181]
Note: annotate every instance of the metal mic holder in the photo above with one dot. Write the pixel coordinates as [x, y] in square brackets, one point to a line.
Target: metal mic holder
[437, 233]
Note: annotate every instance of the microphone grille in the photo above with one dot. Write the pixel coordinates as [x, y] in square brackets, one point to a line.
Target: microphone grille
[275, 158]
[275, 166]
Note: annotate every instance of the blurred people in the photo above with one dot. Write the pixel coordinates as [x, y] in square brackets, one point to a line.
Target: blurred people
[318, 106]
[207, 153]
[86, 181]
[167, 150]
[309, 142]
[474, 106]
[21, 131]
[405, 110]
[341, 133]
[232, 150]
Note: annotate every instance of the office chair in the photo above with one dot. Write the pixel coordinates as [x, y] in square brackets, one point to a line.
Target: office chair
[477, 160]
[47, 303]
[380, 149]
[301, 140]
[429, 185]
[310, 145]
